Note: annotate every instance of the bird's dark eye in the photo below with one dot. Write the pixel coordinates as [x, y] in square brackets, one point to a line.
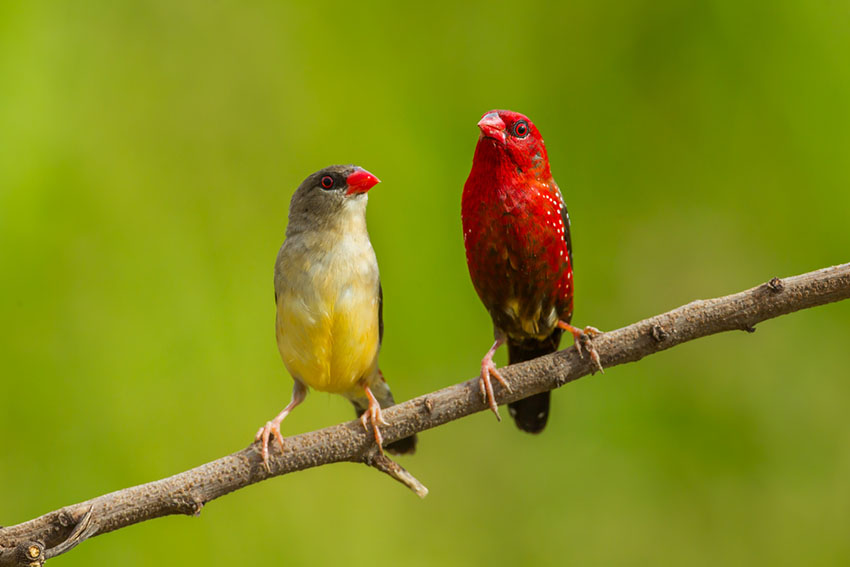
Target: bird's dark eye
[327, 182]
[521, 129]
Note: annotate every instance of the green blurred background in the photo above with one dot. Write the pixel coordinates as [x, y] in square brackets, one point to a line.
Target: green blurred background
[149, 152]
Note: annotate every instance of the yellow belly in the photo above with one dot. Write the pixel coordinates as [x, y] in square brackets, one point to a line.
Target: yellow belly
[328, 335]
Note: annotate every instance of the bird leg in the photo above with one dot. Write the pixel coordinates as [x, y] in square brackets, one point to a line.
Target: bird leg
[583, 341]
[299, 392]
[374, 415]
[488, 368]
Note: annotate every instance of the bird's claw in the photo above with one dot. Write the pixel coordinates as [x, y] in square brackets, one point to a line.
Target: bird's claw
[376, 416]
[583, 339]
[486, 386]
[264, 434]
[590, 333]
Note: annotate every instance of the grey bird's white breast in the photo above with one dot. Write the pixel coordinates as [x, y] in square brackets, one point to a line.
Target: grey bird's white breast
[326, 283]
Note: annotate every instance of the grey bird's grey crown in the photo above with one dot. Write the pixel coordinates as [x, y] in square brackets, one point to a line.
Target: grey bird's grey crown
[337, 173]
[316, 205]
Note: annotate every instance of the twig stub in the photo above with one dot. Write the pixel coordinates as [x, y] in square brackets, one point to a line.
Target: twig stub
[380, 461]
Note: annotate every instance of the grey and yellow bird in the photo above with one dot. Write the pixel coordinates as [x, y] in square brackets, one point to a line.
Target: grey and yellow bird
[329, 301]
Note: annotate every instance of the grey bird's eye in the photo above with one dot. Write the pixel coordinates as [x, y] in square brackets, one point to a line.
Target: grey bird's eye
[327, 182]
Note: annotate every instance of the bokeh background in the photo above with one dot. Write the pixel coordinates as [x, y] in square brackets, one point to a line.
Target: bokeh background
[149, 152]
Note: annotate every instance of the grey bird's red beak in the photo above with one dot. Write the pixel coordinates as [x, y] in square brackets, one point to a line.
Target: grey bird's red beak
[492, 126]
[360, 181]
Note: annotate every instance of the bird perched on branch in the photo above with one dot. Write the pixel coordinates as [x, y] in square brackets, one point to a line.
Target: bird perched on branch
[518, 249]
[329, 301]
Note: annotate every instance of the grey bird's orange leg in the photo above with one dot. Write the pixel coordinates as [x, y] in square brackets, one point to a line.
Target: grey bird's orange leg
[582, 340]
[299, 392]
[374, 415]
[488, 368]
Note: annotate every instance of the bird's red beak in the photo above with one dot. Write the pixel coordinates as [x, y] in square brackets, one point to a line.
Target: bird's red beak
[492, 126]
[360, 181]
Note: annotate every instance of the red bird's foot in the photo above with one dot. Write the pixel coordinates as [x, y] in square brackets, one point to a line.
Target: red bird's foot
[488, 368]
[374, 415]
[584, 341]
[264, 434]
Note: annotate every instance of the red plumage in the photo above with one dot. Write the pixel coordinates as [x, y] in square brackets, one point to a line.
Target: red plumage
[517, 236]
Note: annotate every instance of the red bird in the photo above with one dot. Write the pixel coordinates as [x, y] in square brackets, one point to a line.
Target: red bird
[517, 236]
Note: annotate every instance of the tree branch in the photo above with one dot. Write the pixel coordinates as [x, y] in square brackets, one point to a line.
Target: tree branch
[32, 542]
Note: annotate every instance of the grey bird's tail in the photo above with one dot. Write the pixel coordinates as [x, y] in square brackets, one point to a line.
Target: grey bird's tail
[532, 413]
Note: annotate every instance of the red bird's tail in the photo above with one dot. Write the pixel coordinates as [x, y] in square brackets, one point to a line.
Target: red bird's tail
[531, 413]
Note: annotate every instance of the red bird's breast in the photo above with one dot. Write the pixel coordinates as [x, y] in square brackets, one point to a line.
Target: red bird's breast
[516, 234]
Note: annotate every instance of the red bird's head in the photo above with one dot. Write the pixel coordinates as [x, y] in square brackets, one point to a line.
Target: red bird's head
[510, 139]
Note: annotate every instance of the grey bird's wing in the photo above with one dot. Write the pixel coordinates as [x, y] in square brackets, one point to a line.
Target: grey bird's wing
[380, 313]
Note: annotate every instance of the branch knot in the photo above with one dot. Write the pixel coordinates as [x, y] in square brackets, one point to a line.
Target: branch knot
[776, 285]
[658, 333]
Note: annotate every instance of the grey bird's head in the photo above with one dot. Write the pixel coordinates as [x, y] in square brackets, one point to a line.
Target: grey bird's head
[326, 198]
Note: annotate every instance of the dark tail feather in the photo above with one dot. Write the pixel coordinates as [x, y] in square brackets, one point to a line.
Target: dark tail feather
[406, 446]
[532, 413]
[382, 392]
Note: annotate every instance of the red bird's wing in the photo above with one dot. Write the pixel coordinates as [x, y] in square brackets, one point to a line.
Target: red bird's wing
[564, 302]
[565, 218]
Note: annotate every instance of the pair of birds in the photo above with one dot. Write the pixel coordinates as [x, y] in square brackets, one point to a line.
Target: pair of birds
[328, 293]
